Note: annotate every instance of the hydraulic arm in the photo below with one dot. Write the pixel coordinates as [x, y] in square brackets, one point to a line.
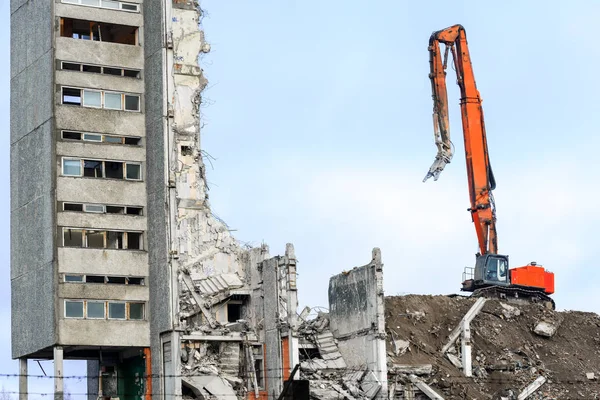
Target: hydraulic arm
[480, 177]
[491, 275]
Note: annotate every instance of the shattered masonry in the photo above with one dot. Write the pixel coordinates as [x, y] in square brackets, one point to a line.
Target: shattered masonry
[234, 308]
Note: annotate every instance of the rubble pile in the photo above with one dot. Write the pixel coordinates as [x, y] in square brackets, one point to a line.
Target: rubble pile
[323, 365]
[556, 354]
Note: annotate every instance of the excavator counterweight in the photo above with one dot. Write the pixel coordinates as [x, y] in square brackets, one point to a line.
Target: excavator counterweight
[491, 275]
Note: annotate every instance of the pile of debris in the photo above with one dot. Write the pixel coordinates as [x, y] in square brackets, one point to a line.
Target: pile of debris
[518, 350]
[323, 365]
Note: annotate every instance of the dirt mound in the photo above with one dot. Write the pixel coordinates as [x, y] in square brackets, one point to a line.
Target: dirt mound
[507, 354]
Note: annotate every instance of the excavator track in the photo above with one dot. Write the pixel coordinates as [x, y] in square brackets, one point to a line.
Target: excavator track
[515, 293]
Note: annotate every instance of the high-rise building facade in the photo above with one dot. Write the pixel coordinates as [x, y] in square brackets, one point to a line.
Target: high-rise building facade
[116, 257]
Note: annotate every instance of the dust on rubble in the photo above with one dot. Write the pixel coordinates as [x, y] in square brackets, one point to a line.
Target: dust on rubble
[513, 344]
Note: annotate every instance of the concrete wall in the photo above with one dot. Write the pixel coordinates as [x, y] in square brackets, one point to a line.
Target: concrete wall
[357, 321]
[160, 272]
[113, 262]
[32, 171]
[114, 333]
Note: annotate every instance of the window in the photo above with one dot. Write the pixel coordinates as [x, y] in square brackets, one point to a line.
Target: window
[101, 138]
[102, 169]
[134, 171]
[115, 210]
[102, 239]
[134, 211]
[72, 237]
[99, 69]
[136, 311]
[92, 98]
[101, 208]
[73, 309]
[98, 31]
[101, 99]
[72, 207]
[113, 100]
[71, 96]
[93, 208]
[91, 68]
[93, 168]
[112, 4]
[115, 280]
[134, 240]
[135, 281]
[71, 66]
[234, 311]
[114, 169]
[115, 240]
[116, 310]
[92, 137]
[95, 239]
[132, 103]
[95, 279]
[95, 310]
[71, 135]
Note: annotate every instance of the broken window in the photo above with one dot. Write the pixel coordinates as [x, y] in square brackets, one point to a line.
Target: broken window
[116, 310]
[91, 68]
[72, 207]
[259, 366]
[134, 240]
[135, 281]
[99, 69]
[73, 278]
[92, 169]
[99, 138]
[115, 210]
[133, 141]
[102, 239]
[73, 309]
[72, 237]
[117, 280]
[96, 31]
[95, 239]
[234, 311]
[95, 310]
[95, 279]
[71, 96]
[115, 240]
[71, 135]
[134, 210]
[136, 311]
[114, 169]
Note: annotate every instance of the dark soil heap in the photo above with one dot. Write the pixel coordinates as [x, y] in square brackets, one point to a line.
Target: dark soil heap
[507, 355]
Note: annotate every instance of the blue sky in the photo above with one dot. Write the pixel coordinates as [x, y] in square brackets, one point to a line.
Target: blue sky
[319, 116]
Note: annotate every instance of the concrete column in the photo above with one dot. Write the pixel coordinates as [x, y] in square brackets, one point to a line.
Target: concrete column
[22, 379]
[58, 374]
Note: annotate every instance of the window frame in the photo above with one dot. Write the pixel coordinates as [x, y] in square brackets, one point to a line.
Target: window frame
[103, 136]
[82, 302]
[119, 8]
[85, 243]
[87, 303]
[63, 159]
[109, 302]
[102, 98]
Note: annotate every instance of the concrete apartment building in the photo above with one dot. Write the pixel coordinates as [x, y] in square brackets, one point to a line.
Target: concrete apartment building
[116, 257]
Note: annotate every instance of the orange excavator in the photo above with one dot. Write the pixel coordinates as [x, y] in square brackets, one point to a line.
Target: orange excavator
[491, 276]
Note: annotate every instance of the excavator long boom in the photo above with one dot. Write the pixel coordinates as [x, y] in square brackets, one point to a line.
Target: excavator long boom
[479, 172]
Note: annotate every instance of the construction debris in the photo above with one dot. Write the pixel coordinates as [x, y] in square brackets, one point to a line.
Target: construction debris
[544, 328]
[509, 360]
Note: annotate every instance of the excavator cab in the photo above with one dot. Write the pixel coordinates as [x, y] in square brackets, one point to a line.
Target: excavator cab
[490, 270]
